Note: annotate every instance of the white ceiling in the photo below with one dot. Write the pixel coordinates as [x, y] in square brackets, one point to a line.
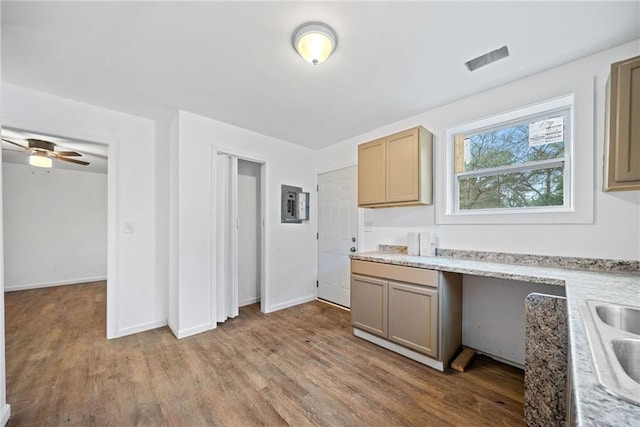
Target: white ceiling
[233, 61]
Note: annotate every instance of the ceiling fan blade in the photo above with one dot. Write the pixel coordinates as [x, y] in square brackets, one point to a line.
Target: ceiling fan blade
[15, 143]
[67, 153]
[78, 162]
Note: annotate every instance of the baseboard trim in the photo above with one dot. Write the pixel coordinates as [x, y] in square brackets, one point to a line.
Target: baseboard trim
[140, 328]
[193, 331]
[6, 414]
[290, 303]
[174, 330]
[53, 284]
[425, 360]
[249, 301]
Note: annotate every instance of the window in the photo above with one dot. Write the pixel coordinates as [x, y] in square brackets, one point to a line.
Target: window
[515, 162]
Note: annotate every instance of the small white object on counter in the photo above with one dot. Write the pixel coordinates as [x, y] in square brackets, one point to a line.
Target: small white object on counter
[427, 244]
[413, 244]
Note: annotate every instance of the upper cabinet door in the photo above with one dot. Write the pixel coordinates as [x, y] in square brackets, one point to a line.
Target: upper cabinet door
[371, 172]
[403, 167]
[622, 167]
[396, 170]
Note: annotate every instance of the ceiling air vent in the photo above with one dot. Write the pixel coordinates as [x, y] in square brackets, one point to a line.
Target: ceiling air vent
[487, 58]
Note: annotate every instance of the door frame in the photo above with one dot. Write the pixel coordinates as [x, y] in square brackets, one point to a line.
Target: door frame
[360, 220]
[112, 223]
[264, 284]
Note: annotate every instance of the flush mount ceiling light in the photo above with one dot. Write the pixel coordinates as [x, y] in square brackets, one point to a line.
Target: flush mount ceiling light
[487, 58]
[314, 41]
[40, 160]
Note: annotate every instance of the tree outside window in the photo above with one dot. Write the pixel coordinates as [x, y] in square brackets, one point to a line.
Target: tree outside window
[513, 165]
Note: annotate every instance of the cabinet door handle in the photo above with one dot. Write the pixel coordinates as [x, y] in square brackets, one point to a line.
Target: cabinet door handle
[353, 249]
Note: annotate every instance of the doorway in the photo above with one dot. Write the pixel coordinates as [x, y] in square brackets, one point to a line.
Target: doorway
[337, 233]
[249, 235]
[55, 210]
[239, 260]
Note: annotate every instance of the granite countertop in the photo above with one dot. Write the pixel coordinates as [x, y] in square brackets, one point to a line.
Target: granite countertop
[594, 405]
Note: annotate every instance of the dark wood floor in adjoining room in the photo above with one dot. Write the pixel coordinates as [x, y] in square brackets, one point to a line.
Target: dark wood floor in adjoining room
[299, 366]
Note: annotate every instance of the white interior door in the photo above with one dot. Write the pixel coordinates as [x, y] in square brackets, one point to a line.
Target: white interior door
[227, 238]
[337, 233]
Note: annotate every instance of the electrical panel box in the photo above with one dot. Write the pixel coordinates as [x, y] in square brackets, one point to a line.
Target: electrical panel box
[294, 205]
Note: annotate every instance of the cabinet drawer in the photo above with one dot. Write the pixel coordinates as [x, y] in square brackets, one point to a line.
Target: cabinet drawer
[396, 272]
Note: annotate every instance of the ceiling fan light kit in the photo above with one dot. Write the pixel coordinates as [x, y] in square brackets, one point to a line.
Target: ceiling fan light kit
[42, 152]
[40, 160]
[314, 41]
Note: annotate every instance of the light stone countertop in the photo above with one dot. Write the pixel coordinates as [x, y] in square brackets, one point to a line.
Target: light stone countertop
[594, 405]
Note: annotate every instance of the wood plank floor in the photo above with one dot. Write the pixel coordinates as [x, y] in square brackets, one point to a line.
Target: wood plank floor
[300, 366]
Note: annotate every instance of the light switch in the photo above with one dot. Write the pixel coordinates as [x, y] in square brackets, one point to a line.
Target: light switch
[129, 227]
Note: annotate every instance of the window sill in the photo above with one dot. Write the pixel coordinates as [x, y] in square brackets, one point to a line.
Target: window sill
[544, 216]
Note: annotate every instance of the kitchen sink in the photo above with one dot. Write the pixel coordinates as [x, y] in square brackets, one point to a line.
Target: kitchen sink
[620, 317]
[614, 338]
[628, 354]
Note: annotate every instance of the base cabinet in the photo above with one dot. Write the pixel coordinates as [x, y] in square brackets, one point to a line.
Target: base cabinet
[413, 317]
[369, 313]
[415, 312]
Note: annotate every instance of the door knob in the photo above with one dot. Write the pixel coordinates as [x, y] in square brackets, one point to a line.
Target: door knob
[353, 249]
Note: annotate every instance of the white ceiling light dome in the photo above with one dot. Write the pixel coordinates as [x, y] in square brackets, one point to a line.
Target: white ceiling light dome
[40, 160]
[314, 41]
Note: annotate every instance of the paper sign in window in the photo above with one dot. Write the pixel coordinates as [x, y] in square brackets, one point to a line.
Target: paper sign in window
[467, 151]
[546, 131]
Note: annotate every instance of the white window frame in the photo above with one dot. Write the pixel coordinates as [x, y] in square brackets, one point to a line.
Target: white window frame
[530, 215]
[501, 121]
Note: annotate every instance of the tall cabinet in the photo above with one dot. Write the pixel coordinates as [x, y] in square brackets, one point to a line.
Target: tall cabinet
[396, 170]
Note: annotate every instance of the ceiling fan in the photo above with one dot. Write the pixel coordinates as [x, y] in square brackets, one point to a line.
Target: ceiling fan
[41, 152]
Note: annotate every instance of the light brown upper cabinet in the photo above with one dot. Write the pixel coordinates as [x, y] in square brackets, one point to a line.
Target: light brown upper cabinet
[371, 175]
[396, 170]
[622, 138]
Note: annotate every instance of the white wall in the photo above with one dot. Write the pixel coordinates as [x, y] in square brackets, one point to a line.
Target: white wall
[162, 195]
[249, 216]
[615, 230]
[5, 409]
[173, 302]
[614, 233]
[55, 223]
[290, 249]
[136, 295]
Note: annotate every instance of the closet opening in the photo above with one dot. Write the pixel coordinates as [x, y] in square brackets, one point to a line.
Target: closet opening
[249, 232]
[239, 235]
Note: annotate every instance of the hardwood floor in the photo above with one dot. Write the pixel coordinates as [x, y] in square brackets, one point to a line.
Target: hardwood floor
[299, 366]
